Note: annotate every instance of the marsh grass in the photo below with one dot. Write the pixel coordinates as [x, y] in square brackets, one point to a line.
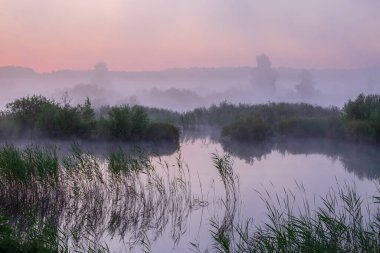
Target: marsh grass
[86, 198]
[223, 231]
[343, 222]
[340, 221]
[34, 163]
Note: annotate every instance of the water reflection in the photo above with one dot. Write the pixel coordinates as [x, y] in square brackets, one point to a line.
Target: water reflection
[87, 201]
[157, 206]
[361, 159]
[99, 148]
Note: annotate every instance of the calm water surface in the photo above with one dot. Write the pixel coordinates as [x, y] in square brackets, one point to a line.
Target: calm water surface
[315, 165]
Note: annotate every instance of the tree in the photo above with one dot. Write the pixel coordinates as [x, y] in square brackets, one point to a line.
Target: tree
[26, 110]
[264, 77]
[88, 122]
[100, 75]
[305, 87]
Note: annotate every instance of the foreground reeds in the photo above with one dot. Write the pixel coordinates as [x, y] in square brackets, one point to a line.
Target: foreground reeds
[342, 222]
[72, 202]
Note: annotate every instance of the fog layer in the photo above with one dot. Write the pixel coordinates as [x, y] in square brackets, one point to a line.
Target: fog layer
[185, 89]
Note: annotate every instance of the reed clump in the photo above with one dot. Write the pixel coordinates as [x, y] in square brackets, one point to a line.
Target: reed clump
[342, 223]
[86, 198]
[33, 162]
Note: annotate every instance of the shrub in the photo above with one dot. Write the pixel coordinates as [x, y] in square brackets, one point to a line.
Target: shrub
[8, 126]
[140, 122]
[55, 121]
[25, 111]
[360, 130]
[162, 132]
[249, 129]
[363, 108]
[87, 123]
[120, 122]
[335, 127]
[304, 127]
[126, 123]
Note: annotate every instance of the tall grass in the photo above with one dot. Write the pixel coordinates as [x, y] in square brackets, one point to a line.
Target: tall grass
[85, 197]
[230, 181]
[344, 222]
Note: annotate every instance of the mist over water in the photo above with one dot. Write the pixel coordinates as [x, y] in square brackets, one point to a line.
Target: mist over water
[317, 165]
[274, 122]
[186, 89]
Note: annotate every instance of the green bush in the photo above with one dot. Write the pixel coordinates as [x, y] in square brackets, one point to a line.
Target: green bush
[162, 132]
[26, 111]
[55, 121]
[335, 127]
[126, 123]
[304, 127]
[8, 127]
[360, 130]
[363, 108]
[249, 129]
[38, 116]
[270, 113]
[119, 122]
[159, 115]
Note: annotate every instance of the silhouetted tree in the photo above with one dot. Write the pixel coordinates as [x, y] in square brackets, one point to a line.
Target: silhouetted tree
[305, 88]
[100, 75]
[264, 77]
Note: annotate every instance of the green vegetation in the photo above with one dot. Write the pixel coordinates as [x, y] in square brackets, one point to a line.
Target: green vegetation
[162, 131]
[41, 240]
[259, 122]
[339, 225]
[249, 129]
[362, 118]
[121, 162]
[311, 127]
[359, 120]
[41, 187]
[67, 203]
[32, 163]
[39, 117]
[343, 222]
[270, 113]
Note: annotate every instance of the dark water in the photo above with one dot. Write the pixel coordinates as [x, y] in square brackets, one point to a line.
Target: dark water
[316, 166]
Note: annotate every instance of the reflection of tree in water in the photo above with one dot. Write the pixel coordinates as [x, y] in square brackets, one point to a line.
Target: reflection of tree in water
[192, 134]
[361, 159]
[126, 197]
[99, 148]
[247, 151]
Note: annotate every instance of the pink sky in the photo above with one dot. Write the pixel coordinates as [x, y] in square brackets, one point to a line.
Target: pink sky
[157, 34]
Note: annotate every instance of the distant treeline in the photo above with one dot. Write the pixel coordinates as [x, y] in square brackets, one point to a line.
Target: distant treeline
[37, 116]
[359, 120]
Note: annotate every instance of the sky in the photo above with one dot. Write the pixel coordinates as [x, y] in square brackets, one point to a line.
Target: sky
[142, 35]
